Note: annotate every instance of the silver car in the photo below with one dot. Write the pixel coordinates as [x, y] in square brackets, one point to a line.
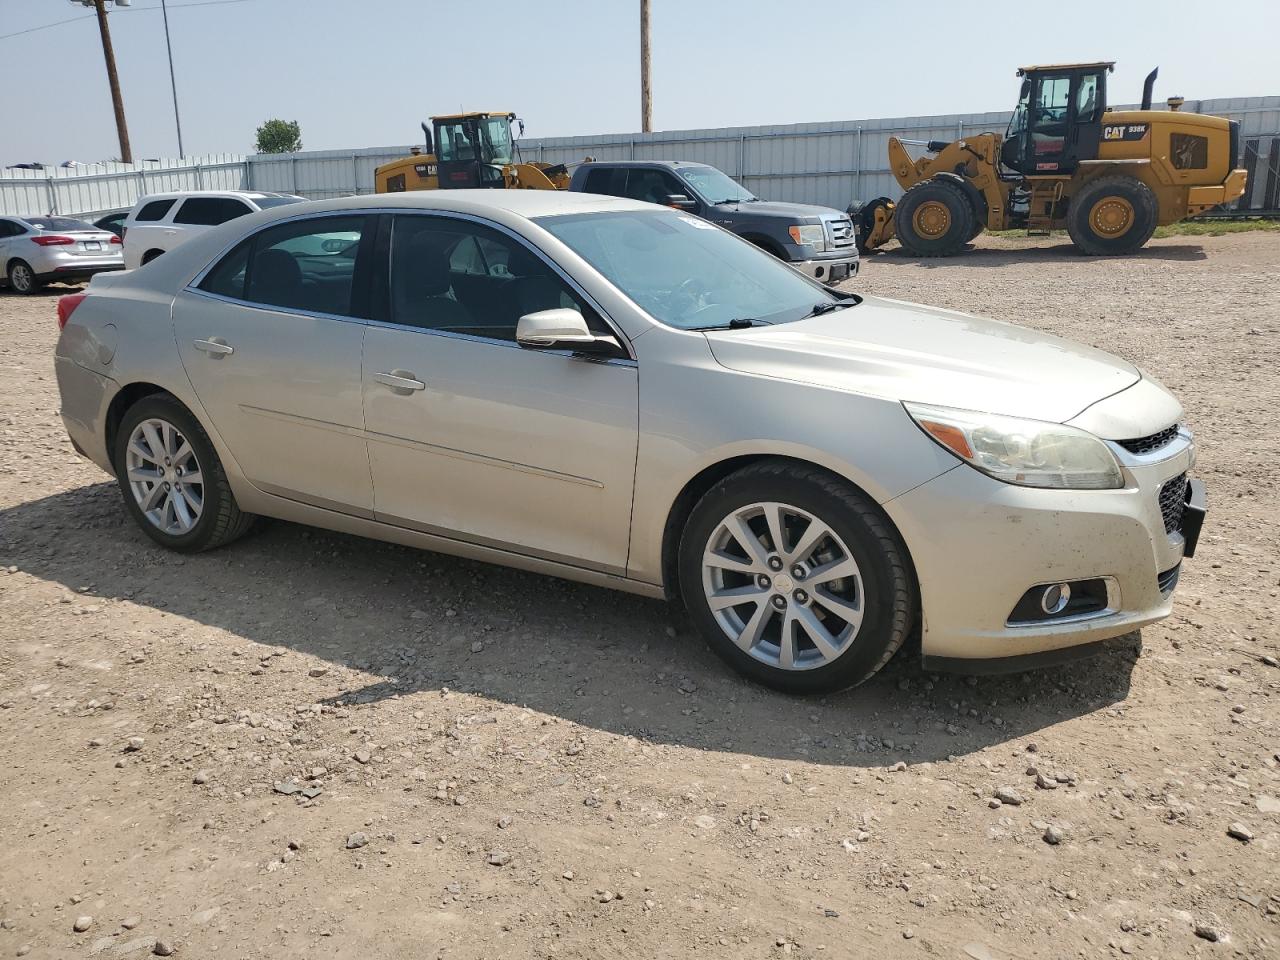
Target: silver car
[37, 250]
[629, 396]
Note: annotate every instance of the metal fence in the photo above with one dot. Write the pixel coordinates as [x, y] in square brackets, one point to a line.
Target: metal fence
[825, 163]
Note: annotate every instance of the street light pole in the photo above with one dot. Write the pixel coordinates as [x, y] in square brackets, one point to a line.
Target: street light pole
[117, 102]
[173, 82]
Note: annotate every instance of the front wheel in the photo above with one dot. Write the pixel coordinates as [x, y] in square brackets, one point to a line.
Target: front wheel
[172, 480]
[796, 579]
[934, 218]
[22, 279]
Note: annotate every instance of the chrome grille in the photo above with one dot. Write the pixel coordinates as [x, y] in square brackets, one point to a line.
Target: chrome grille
[1143, 445]
[840, 232]
[1173, 498]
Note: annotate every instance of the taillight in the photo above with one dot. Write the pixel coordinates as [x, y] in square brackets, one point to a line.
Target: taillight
[115, 241]
[66, 305]
[52, 240]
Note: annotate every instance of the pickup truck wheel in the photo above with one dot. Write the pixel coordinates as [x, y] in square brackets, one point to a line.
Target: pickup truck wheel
[795, 579]
[934, 219]
[1112, 215]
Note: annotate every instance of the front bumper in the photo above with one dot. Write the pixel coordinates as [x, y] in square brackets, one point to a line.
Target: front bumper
[979, 545]
[829, 269]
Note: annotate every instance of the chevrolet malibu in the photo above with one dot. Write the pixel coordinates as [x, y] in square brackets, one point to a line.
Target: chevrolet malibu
[626, 395]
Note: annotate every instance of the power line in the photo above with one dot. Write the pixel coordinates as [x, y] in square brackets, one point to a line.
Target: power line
[176, 6]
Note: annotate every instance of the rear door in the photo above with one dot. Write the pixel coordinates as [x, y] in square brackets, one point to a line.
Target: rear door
[475, 438]
[8, 230]
[271, 339]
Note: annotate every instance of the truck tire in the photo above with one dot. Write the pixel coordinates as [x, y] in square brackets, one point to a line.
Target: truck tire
[934, 219]
[1112, 215]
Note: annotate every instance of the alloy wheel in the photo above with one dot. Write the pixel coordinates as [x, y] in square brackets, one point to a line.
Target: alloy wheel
[164, 476]
[22, 278]
[783, 586]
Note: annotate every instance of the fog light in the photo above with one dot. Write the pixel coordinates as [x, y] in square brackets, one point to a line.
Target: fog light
[1055, 598]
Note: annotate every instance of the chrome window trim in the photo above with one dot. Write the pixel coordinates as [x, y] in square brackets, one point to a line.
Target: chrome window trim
[193, 285]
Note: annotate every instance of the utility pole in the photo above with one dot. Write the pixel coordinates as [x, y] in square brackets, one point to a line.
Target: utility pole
[173, 82]
[126, 154]
[646, 98]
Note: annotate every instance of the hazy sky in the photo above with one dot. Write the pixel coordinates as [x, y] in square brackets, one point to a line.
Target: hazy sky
[359, 73]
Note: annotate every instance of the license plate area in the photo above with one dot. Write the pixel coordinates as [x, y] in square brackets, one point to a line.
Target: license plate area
[93, 246]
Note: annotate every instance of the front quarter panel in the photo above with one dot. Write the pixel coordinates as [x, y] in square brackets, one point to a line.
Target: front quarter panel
[695, 414]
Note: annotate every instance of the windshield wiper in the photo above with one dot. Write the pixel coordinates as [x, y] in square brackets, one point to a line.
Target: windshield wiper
[820, 308]
[735, 200]
[737, 323]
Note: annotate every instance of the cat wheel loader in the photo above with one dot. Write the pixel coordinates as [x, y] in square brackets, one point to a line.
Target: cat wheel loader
[468, 150]
[1109, 177]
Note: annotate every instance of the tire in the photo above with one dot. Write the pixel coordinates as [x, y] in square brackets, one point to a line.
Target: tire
[217, 519]
[934, 219]
[149, 256]
[876, 588]
[1112, 215]
[22, 279]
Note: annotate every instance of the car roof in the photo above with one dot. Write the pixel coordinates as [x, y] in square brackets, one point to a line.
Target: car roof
[522, 203]
[645, 163]
[182, 194]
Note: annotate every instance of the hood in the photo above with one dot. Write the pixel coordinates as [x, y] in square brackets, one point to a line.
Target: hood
[904, 351]
[777, 208]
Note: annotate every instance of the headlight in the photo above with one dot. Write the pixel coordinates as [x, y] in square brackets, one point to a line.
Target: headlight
[1029, 453]
[811, 234]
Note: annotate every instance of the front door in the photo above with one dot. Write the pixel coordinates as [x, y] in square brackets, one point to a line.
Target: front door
[475, 438]
[271, 339]
[1058, 122]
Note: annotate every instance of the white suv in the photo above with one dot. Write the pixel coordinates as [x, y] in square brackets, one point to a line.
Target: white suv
[159, 222]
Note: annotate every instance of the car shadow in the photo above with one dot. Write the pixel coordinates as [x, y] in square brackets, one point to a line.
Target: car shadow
[1050, 252]
[401, 621]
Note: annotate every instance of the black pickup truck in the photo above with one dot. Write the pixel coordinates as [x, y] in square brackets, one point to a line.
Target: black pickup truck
[819, 241]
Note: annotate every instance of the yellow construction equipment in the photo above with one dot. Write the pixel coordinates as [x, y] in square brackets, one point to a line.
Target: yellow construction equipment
[467, 150]
[1109, 177]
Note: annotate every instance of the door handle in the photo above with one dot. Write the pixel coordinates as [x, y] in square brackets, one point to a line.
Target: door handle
[400, 380]
[215, 347]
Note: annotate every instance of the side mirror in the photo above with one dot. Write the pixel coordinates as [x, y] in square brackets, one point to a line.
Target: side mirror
[681, 202]
[563, 329]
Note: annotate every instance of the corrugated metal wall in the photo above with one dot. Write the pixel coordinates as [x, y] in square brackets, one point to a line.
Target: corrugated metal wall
[825, 163]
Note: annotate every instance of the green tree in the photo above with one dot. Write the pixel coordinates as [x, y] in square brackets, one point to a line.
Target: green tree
[279, 136]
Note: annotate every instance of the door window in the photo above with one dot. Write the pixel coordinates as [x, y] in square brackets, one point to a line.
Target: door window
[464, 277]
[307, 265]
[1087, 99]
[155, 210]
[606, 181]
[9, 229]
[210, 211]
[652, 186]
[1049, 124]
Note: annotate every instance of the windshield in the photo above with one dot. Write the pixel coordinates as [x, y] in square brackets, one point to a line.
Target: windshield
[686, 272]
[266, 203]
[1018, 122]
[487, 140]
[716, 186]
[59, 223]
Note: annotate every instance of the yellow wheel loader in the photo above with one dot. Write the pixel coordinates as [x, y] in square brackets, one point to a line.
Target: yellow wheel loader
[468, 150]
[1109, 177]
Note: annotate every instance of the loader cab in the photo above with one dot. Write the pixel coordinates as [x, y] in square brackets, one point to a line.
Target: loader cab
[471, 149]
[1058, 120]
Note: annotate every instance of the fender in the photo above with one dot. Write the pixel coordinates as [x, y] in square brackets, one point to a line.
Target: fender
[978, 201]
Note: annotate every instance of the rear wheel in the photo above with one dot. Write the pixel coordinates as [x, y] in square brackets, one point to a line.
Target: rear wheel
[934, 219]
[22, 279]
[172, 481]
[795, 579]
[1112, 215]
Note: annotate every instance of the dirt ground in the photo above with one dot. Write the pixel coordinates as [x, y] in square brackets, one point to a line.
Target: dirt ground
[505, 765]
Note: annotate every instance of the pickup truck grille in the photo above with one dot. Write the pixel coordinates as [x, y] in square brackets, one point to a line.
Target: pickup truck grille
[840, 232]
